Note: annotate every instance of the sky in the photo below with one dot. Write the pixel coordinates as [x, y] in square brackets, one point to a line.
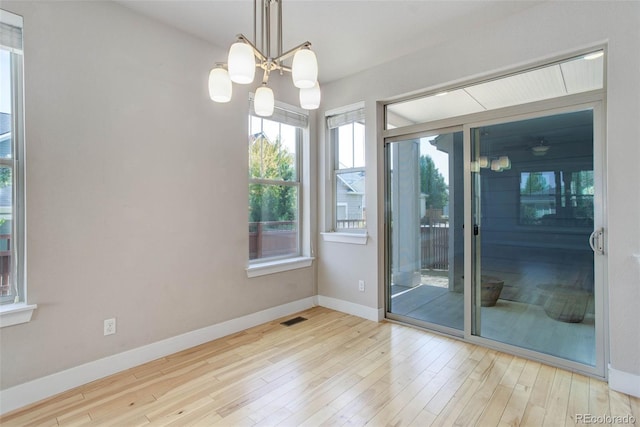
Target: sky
[440, 158]
[5, 82]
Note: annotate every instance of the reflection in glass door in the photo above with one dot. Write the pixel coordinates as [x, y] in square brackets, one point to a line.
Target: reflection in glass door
[425, 230]
[533, 192]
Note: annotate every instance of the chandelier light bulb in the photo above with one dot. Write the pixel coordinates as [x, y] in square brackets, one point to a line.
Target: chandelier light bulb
[220, 86]
[495, 165]
[304, 69]
[483, 161]
[264, 101]
[242, 63]
[310, 97]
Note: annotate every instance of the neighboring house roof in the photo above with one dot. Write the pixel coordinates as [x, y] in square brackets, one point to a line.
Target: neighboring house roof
[353, 181]
[5, 123]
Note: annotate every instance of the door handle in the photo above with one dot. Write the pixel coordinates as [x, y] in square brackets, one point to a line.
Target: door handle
[596, 241]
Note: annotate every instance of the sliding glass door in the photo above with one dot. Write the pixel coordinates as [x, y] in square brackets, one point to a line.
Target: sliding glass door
[426, 257]
[495, 234]
[536, 243]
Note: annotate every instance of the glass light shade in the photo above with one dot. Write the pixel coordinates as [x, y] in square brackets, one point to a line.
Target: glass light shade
[539, 150]
[310, 98]
[304, 69]
[242, 63]
[495, 165]
[475, 167]
[504, 162]
[483, 161]
[264, 102]
[220, 85]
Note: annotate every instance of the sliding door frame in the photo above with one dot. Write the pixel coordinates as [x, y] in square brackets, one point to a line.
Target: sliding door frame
[387, 192]
[600, 261]
[588, 100]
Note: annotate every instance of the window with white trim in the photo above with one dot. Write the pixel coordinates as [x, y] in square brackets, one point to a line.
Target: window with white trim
[275, 184]
[347, 135]
[12, 280]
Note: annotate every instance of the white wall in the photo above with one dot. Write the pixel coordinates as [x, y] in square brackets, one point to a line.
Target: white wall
[136, 190]
[547, 30]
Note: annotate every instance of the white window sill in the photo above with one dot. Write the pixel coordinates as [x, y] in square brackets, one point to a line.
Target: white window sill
[352, 238]
[278, 266]
[14, 314]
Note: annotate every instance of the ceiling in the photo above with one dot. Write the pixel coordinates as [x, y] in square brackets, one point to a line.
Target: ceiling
[347, 36]
[572, 76]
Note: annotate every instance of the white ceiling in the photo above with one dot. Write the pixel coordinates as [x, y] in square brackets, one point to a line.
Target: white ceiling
[347, 36]
[553, 81]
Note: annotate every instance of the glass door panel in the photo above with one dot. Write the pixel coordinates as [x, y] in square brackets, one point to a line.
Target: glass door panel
[532, 193]
[425, 219]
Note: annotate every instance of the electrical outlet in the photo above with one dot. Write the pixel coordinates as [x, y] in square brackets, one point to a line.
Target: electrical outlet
[109, 326]
[361, 285]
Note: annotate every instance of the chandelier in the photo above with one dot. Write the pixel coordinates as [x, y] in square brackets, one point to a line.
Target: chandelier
[245, 57]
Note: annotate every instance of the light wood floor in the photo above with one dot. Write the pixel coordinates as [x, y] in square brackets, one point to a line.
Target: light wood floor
[333, 369]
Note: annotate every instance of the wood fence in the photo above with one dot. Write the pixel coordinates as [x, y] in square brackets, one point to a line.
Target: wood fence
[434, 251]
[272, 239]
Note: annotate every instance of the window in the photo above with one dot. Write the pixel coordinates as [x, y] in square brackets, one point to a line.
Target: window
[557, 198]
[12, 287]
[275, 185]
[348, 142]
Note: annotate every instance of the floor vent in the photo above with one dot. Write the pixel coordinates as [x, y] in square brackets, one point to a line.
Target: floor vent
[293, 321]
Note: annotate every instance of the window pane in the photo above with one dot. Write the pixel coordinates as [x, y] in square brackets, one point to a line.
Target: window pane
[6, 216]
[273, 220]
[5, 105]
[272, 151]
[557, 198]
[350, 200]
[345, 146]
[358, 145]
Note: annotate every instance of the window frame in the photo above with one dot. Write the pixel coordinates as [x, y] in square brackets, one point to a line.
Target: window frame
[557, 195]
[281, 117]
[348, 116]
[14, 308]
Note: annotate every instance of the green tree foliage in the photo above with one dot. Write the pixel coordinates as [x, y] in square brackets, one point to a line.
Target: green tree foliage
[271, 202]
[5, 177]
[536, 183]
[432, 184]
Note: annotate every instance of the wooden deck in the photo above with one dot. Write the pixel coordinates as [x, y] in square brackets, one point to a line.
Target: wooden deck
[333, 369]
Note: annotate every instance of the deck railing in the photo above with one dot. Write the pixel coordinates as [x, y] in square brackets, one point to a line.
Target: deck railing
[350, 223]
[276, 238]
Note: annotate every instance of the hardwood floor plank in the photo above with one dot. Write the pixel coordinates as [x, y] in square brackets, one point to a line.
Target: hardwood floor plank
[515, 410]
[332, 369]
[634, 405]
[620, 406]
[599, 399]
[558, 399]
[578, 399]
[489, 379]
[542, 386]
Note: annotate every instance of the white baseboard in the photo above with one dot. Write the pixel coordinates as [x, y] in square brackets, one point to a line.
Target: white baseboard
[375, 314]
[624, 382]
[41, 388]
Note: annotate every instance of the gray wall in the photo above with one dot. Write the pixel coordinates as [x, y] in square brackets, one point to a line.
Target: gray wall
[136, 201]
[544, 31]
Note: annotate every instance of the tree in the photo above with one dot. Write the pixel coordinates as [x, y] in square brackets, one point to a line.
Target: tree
[271, 202]
[432, 184]
[536, 183]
